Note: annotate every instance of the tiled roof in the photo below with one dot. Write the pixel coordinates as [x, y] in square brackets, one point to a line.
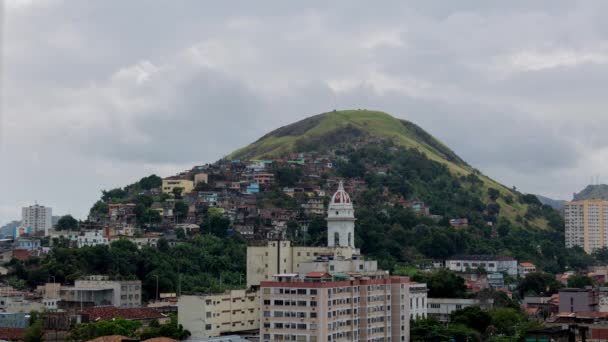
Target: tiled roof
[318, 275]
[21, 254]
[11, 334]
[110, 338]
[481, 257]
[103, 313]
[526, 264]
[160, 339]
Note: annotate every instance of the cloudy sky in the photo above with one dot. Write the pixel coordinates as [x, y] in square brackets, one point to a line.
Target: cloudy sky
[98, 94]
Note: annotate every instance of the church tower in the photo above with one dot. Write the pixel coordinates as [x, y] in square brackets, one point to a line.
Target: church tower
[341, 220]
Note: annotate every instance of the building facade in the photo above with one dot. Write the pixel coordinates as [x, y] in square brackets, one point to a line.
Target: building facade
[96, 291]
[91, 238]
[418, 300]
[327, 309]
[219, 314]
[185, 184]
[490, 263]
[37, 218]
[585, 224]
[441, 308]
[573, 300]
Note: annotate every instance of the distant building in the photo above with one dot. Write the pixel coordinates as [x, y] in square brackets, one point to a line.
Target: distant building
[525, 267]
[96, 291]
[496, 280]
[201, 178]
[441, 308]
[37, 218]
[418, 300]
[490, 263]
[573, 300]
[170, 184]
[586, 225]
[91, 238]
[219, 314]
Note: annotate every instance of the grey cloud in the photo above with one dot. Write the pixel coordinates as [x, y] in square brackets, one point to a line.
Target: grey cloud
[74, 98]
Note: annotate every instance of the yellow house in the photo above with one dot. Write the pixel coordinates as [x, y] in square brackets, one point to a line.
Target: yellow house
[170, 184]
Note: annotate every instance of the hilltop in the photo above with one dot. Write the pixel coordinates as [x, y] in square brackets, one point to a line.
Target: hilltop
[320, 132]
[599, 191]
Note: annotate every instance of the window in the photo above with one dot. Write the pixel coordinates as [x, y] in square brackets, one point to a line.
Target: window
[208, 327]
[313, 292]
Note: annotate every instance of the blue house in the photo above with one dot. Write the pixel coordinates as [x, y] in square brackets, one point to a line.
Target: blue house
[27, 244]
[253, 188]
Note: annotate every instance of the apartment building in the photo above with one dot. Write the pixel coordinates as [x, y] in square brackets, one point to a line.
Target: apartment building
[37, 218]
[170, 184]
[322, 308]
[585, 224]
[95, 291]
[418, 300]
[490, 263]
[219, 314]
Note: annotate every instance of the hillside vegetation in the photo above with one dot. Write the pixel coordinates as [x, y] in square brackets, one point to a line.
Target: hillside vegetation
[321, 132]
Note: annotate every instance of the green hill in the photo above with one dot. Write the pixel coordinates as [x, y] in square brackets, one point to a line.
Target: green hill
[328, 129]
[599, 191]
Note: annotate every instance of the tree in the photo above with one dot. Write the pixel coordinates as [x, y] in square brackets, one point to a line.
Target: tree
[202, 186]
[472, 317]
[35, 332]
[288, 176]
[150, 182]
[117, 326]
[506, 320]
[493, 194]
[177, 192]
[579, 281]
[113, 195]
[443, 284]
[180, 210]
[538, 283]
[180, 233]
[171, 330]
[67, 222]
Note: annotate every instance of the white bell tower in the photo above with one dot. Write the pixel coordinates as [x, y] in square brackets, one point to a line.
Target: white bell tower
[341, 220]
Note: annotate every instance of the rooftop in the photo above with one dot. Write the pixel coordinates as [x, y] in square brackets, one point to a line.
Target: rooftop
[103, 313]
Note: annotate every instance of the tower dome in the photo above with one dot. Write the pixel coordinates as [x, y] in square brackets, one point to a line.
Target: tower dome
[341, 199]
[340, 220]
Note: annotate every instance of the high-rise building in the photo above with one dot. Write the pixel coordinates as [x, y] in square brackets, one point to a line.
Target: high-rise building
[586, 224]
[37, 218]
[322, 307]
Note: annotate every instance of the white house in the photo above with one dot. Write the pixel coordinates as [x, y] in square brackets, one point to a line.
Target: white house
[441, 308]
[490, 263]
[92, 238]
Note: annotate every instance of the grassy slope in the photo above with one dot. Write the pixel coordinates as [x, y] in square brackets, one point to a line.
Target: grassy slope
[379, 124]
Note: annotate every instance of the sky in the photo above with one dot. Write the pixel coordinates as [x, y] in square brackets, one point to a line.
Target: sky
[97, 94]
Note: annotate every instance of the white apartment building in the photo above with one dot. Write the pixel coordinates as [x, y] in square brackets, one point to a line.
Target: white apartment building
[91, 238]
[37, 218]
[490, 263]
[585, 224]
[418, 300]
